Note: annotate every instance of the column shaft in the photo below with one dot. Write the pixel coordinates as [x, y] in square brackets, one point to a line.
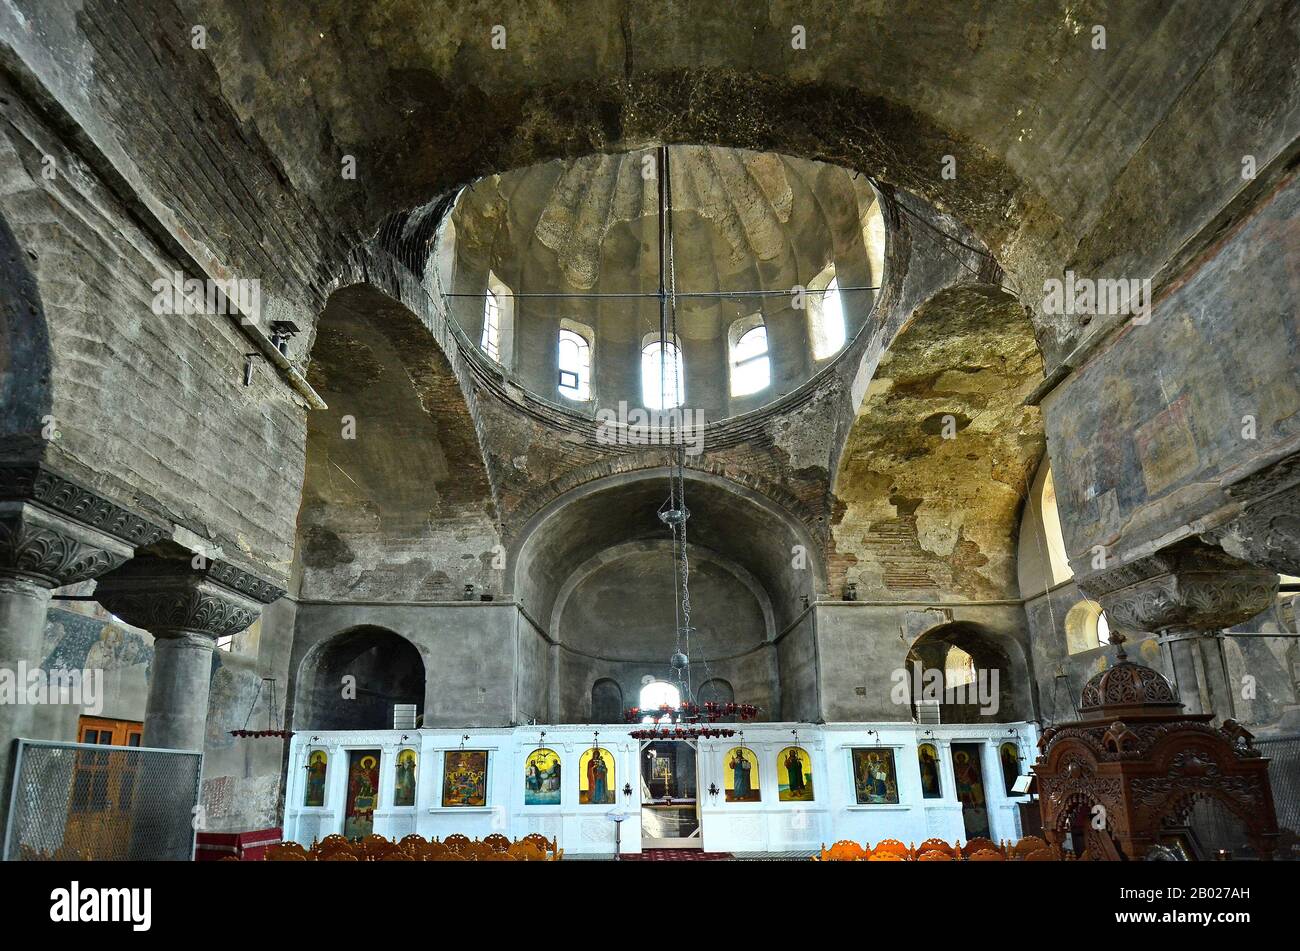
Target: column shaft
[176, 715]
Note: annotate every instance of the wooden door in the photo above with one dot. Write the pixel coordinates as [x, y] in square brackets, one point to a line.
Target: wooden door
[103, 789]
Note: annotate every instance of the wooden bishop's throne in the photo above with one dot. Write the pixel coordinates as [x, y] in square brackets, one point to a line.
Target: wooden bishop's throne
[1145, 763]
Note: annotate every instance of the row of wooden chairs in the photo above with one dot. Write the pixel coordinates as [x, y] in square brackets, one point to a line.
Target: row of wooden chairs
[416, 848]
[1031, 848]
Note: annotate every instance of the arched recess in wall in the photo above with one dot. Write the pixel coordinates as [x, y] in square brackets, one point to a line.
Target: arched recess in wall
[727, 517]
[24, 354]
[989, 669]
[396, 503]
[930, 498]
[716, 690]
[606, 701]
[353, 680]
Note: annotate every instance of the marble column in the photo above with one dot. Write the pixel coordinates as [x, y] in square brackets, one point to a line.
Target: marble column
[1187, 594]
[40, 549]
[186, 604]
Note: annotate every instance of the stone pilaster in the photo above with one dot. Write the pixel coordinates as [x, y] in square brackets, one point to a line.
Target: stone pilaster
[1187, 594]
[187, 603]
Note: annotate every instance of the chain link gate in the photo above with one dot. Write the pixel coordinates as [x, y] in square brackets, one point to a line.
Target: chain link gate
[83, 802]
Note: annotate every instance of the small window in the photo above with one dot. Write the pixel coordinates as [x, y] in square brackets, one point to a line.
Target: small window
[828, 321]
[491, 340]
[1103, 629]
[575, 365]
[657, 693]
[751, 369]
[662, 374]
[226, 642]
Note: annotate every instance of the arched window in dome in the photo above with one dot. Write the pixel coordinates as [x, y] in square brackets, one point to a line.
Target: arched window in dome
[826, 315]
[497, 338]
[751, 367]
[491, 340]
[575, 360]
[663, 376]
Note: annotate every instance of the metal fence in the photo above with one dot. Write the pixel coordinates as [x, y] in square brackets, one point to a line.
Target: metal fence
[82, 802]
[1283, 754]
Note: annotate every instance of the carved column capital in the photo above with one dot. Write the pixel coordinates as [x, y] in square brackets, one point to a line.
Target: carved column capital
[44, 548]
[1190, 586]
[170, 597]
[1267, 532]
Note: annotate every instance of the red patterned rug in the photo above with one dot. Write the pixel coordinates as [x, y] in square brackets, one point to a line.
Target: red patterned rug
[676, 855]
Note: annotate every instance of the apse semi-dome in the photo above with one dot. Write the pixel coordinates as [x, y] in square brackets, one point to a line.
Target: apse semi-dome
[552, 273]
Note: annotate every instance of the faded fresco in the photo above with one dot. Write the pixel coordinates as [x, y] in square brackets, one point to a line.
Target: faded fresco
[1141, 432]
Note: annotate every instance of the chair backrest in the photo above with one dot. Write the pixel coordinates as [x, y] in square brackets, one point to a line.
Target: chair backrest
[498, 857]
[988, 855]
[397, 855]
[527, 852]
[892, 845]
[1041, 855]
[934, 855]
[456, 842]
[1030, 843]
[845, 850]
[979, 844]
[496, 842]
[886, 857]
[331, 843]
[541, 841]
[935, 845]
[339, 855]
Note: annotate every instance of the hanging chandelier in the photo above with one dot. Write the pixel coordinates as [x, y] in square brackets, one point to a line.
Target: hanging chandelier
[688, 719]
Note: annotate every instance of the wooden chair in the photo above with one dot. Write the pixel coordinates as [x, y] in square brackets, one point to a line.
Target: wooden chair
[844, 850]
[476, 850]
[456, 842]
[988, 855]
[285, 852]
[496, 842]
[980, 844]
[449, 856]
[339, 855]
[495, 856]
[397, 855]
[1041, 855]
[936, 845]
[541, 841]
[375, 847]
[526, 851]
[1030, 843]
[934, 855]
[894, 846]
[886, 857]
[331, 843]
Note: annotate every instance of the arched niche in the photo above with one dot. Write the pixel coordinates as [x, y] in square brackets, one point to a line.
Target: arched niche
[353, 680]
[985, 669]
[606, 701]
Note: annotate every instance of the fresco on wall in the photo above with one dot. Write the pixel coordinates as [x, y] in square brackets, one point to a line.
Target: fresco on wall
[1173, 400]
[927, 757]
[404, 785]
[317, 767]
[874, 780]
[464, 777]
[1009, 756]
[740, 777]
[596, 778]
[363, 793]
[542, 778]
[794, 775]
[969, 778]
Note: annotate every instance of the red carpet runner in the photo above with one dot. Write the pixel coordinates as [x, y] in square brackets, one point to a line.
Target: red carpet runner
[676, 855]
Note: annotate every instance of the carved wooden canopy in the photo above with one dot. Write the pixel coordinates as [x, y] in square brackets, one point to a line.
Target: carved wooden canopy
[1145, 762]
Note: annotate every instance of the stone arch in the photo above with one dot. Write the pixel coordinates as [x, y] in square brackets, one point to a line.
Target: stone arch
[25, 377]
[387, 667]
[990, 651]
[930, 500]
[397, 502]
